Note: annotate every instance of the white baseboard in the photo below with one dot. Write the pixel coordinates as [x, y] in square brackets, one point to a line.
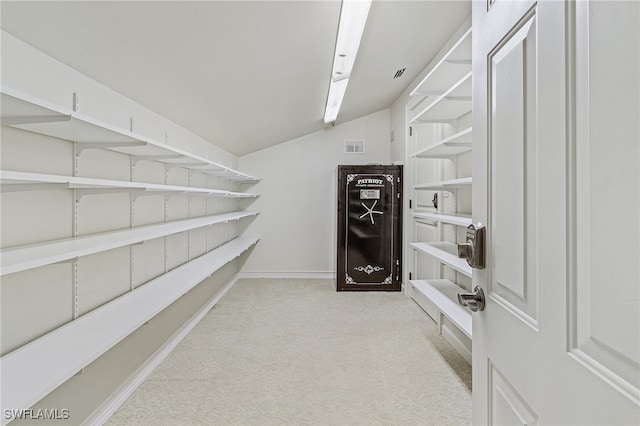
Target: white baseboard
[288, 274]
[455, 341]
[106, 410]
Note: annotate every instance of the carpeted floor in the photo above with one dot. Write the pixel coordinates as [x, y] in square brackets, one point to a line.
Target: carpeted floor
[296, 352]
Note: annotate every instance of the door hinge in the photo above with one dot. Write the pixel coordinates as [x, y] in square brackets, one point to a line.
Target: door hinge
[410, 203]
[410, 131]
[409, 275]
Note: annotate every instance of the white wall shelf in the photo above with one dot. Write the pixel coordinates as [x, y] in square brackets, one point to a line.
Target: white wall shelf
[448, 147]
[450, 68]
[19, 110]
[21, 181]
[446, 185]
[448, 107]
[443, 294]
[438, 114]
[459, 219]
[126, 260]
[446, 253]
[16, 259]
[35, 115]
[35, 369]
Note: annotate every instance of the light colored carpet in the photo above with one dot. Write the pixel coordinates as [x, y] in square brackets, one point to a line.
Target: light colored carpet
[285, 352]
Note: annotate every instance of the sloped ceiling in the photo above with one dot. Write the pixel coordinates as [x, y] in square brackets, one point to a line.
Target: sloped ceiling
[244, 75]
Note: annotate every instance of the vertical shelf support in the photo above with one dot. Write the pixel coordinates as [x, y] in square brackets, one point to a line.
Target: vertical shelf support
[166, 202]
[189, 176]
[132, 211]
[74, 264]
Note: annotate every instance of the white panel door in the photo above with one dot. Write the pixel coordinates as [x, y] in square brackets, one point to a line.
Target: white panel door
[557, 182]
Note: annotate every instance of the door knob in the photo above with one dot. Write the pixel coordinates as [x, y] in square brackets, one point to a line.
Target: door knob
[473, 301]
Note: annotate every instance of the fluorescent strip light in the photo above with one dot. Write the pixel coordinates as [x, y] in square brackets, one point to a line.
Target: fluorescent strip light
[353, 17]
[334, 100]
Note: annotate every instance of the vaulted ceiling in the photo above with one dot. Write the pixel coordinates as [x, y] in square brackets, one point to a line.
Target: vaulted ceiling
[244, 75]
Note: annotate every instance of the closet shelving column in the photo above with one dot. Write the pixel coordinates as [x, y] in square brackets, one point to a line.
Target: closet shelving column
[440, 118]
[27, 375]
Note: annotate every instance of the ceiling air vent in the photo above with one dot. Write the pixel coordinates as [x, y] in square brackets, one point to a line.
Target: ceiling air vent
[354, 146]
[399, 73]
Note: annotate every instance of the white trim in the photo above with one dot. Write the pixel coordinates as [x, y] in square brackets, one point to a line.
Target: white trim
[289, 274]
[109, 407]
[456, 342]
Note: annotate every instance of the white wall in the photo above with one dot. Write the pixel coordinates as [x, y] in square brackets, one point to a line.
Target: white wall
[31, 71]
[297, 200]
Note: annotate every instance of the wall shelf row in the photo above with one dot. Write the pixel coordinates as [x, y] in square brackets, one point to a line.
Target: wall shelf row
[35, 369]
[26, 112]
[444, 252]
[450, 68]
[446, 185]
[103, 299]
[21, 258]
[459, 219]
[22, 181]
[443, 294]
[448, 147]
[448, 107]
[439, 116]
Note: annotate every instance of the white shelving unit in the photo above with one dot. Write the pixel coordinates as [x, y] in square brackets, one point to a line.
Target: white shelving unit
[34, 369]
[37, 368]
[446, 253]
[443, 294]
[16, 259]
[448, 107]
[460, 219]
[21, 181]
[440, 106]
[26, 112]
[448, 147]
[445, 185]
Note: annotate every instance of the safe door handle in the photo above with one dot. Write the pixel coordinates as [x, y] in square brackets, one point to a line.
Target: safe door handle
[474, 301]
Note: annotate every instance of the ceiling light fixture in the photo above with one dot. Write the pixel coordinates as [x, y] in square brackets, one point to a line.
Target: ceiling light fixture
[353, 16]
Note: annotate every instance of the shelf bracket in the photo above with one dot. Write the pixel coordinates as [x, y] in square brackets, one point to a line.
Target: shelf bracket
[137, 158]
[217, 171]
[62, 262]
[99, 191]
[106, 145]
[458, 98]
[186, 165]
[17, 121]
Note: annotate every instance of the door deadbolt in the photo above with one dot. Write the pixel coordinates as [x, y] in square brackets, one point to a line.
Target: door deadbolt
[473, 249]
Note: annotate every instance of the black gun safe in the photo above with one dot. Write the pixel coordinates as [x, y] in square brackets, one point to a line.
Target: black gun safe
[369, 228]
